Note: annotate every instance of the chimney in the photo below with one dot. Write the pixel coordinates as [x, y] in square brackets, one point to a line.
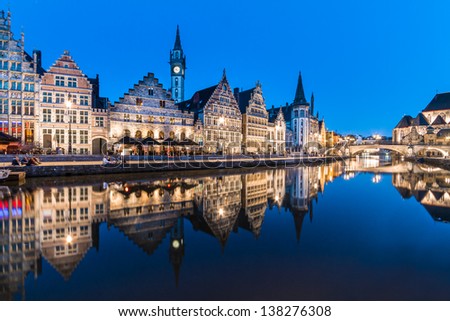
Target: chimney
[37, 57]
[236, 94]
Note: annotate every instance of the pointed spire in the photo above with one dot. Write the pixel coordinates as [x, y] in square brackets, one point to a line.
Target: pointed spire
[224, 76]
[300, 93]
[312, 103]
[177, 45]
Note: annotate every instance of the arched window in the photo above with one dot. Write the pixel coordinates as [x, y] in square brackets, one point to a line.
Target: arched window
[126, 133]
[302, 113]
[183, 136]
[172, 135]
[150, 134]
[138, 134]
[161, 135]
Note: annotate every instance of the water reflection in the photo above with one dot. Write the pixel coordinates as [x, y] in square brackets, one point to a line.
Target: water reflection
[430, 189]
[61, 224]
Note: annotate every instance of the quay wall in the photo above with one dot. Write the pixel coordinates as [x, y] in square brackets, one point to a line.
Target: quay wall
[65, 166]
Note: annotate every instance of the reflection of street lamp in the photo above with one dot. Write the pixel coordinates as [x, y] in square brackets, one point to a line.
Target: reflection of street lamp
[376, 179]
[69, 237]
[69, 105]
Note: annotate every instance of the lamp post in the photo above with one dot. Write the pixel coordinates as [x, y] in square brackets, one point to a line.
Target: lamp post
[69, 105]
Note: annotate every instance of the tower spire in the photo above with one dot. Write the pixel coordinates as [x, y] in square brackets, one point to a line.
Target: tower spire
[300, 93]
[177, 45]
[312, 103]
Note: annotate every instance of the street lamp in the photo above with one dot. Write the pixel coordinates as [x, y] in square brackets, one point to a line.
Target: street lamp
[69, 105]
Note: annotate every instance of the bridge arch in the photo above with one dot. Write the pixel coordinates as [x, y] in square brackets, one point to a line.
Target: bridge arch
[356, 149]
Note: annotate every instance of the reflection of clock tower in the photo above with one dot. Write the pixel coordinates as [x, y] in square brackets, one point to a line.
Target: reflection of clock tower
[176, 251]
[177, 69]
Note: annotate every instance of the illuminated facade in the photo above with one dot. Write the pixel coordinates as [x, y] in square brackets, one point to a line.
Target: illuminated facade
[65, 113]
[177, 69]
[254, 119]
[19, 85]
[430, 126]
[276, 134]
[147, 110]
[219, 114]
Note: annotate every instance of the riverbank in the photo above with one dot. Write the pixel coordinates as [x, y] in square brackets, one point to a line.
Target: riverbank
[57, 165]
[443, 163]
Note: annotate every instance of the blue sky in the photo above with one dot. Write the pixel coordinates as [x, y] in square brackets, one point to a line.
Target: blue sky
[368, 63]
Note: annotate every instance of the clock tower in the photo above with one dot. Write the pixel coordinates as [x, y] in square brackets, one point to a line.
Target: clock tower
[177, 69]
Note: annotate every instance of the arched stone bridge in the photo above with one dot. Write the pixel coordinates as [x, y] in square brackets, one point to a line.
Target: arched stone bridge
[406, 150]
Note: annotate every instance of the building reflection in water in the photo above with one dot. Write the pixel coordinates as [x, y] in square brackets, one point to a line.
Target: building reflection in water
[61, 224]
[429, 188]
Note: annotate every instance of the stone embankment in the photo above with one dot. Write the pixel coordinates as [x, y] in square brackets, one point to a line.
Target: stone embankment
[57, 165]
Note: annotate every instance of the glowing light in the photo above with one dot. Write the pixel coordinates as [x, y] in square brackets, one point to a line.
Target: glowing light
[221, 120]
[220, 211]
[168, 185]
[69, 239]
[277, 198]
[175, 244]
[126, 189]
[376, 179]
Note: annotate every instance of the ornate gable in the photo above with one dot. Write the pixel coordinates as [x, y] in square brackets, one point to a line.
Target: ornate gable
[224, 97]
[148, 92]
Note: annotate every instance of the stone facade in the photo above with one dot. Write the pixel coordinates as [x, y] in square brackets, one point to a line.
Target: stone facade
[147, 110]
[254, 119]
[177, 69]
[219, 113]
[19, 85]
[65, 113]
[276, 134]
[428, 127]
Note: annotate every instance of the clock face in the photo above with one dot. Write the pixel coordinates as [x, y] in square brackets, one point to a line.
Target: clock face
[176, 69]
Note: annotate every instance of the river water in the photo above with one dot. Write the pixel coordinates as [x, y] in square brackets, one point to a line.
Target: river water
[360, 230]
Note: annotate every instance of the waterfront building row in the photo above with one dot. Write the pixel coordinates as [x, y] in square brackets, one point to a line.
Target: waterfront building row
[60, 109]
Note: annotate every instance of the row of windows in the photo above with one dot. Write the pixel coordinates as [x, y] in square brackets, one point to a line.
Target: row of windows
[16, 85]
[83, 117]
[16, 107]
[59, 194]
[151, 119]
[62, 81]
[151, 134]
[59, 98]
[14, 66]
[215, 135]
[81, 138]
